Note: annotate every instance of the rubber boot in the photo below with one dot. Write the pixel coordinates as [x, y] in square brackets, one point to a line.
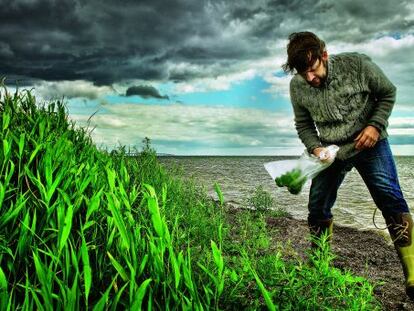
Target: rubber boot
[318, 228]
[400, 227]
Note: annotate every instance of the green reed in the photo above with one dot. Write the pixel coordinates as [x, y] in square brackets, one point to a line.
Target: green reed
[82, 228]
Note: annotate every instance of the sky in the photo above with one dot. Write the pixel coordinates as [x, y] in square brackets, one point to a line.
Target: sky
[196, 77]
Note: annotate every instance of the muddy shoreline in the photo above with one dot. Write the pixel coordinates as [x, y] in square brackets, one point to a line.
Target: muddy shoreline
[366, 253]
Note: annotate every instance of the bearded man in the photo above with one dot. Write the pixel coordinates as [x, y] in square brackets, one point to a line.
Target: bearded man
[346, 100]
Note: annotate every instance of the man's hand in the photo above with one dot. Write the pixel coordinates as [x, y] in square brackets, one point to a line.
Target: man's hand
[367, 138]
[321, 153]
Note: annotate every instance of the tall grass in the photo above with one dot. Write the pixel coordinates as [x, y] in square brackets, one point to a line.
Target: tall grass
[82, 228]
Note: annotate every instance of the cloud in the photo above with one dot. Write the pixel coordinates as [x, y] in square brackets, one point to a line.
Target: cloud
[145, 91]
[111, 43]
[401, 122]
[186, 130]
[82, 49]
[218, 83]
[71, 89]
[186, 126]
[278, 85]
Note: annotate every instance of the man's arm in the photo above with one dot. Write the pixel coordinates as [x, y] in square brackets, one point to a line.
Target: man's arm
[304, 124]
[383, 91]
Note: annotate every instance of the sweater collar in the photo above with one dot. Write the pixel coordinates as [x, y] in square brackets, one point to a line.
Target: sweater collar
[330, 69]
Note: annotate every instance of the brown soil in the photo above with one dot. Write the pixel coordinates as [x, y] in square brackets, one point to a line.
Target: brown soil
[364, 253]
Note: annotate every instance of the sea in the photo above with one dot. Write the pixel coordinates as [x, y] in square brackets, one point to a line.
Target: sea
[239, 176]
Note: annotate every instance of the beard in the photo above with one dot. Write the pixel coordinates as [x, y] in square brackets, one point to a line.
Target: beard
[317, 82]
[320, 81]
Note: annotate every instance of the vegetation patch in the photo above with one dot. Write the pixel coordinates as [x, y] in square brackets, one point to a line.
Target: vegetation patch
[82, 228]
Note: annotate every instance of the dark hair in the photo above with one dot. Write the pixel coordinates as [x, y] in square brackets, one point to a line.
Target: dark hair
[300, 46]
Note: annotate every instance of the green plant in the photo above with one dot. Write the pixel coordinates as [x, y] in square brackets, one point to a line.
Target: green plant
[72, 216]
[293, 180]
[313, 285]
[82, 228]
[260, 200]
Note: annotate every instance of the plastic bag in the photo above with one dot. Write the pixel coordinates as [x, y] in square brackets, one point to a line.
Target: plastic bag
[293, 174]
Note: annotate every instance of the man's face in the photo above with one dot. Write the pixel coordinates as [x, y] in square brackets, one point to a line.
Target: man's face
[315, 75]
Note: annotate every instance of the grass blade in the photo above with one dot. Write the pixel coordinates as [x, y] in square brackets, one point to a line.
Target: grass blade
[118, 267]
[67, 225]
[140, 295]
[113, 205]
[87, 271]
[219, 193]
[3, 288]
[42, 276]
[218, 258]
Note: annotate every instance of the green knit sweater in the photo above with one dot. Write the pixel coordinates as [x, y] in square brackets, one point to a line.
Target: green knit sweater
[356, 94]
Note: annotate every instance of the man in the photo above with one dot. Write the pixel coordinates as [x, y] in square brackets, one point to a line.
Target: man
[346, 99]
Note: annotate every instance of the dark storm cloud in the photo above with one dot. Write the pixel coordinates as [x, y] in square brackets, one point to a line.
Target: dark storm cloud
[115, 41]
[100, 41]
[145, 91]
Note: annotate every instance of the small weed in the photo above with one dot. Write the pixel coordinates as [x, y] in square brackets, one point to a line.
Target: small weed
[260, 200]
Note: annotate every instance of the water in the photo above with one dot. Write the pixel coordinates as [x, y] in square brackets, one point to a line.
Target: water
[238, 177]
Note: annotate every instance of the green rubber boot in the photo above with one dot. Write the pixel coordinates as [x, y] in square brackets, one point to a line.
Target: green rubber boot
[400, 227]
[319, 227]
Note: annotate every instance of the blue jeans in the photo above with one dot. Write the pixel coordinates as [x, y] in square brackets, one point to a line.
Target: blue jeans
[376, 167]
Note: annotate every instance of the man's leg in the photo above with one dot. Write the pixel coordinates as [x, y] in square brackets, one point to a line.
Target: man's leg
[322, 197]
[377, 168]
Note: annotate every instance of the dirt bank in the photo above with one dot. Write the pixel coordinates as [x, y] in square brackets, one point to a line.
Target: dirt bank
[365, 253]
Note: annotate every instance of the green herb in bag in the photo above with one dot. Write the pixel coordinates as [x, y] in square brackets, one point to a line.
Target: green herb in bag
[293, 180]
[293, 174]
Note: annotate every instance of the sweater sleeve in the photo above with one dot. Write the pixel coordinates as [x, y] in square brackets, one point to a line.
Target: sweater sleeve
[382, 90]
[304, 124]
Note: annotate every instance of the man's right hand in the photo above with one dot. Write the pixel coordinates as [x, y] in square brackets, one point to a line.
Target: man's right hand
[321, 153]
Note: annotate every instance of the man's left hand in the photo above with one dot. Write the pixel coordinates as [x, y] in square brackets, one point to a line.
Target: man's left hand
[367, 138]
